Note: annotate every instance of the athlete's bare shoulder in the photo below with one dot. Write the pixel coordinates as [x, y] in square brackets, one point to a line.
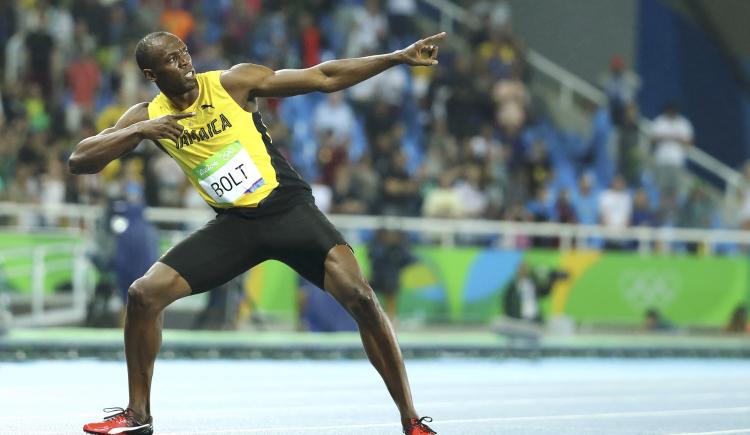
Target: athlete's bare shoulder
[242, 78]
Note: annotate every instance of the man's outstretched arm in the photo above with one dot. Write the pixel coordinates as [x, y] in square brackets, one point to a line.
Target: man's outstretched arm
[247, 80]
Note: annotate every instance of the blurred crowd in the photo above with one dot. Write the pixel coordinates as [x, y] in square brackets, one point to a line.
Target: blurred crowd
[467, 139]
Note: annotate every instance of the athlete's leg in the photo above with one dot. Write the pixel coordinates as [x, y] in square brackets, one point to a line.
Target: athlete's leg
[305, 240]
[204, 260]
[147, 298]
[344, 281]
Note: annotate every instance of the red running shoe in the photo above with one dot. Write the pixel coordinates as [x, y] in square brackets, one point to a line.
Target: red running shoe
[417, 427]
[123, 421]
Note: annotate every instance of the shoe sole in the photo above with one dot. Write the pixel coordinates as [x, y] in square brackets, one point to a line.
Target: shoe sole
[149, 430]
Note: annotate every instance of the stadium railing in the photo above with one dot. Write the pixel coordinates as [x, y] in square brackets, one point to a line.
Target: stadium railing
[447, 232]
[40, 265]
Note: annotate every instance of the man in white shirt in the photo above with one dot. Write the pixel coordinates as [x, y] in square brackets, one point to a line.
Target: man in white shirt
[615, 205]
[671, 135]
[334, 114]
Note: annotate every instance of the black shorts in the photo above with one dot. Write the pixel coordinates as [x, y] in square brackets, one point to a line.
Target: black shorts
[230, 244]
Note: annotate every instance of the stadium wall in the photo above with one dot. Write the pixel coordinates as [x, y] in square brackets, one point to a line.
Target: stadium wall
[466, 284]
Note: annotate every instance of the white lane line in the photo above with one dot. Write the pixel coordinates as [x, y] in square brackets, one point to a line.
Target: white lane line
[716, 432]
[224, 411]
[606, 415]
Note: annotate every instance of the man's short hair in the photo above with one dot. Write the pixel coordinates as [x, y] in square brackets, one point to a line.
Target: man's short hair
[144, 49]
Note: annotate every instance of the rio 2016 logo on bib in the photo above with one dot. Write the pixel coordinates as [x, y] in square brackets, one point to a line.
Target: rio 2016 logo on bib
[229, 174]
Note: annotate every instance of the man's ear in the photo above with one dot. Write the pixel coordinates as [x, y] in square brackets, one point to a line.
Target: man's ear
[149, 74]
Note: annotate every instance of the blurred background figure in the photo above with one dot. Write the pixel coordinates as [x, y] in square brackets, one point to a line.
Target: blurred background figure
[671, 136]
[621, 85]
[318, 311]
[654, 321]
[738, 321]
[523, 297]
[389, 253]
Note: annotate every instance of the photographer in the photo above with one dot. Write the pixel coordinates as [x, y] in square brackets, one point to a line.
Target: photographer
[522, 297]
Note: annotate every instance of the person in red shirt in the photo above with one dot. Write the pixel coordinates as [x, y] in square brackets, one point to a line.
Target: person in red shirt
[84, 78]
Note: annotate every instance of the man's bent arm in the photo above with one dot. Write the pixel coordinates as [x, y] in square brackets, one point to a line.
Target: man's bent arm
[92, 154]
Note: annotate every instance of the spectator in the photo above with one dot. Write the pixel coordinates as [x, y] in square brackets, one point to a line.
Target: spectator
[643, 214]
[655, 321]
[109, 115]
[310, 40]
[401, 15]
[443, 201]
[495, 14]
[541, 205]
[442, 153]
[497, 187]
[39, 49]
[621, 86]
[369, 29]
[537, 167]
[696, 211]
[389, 254]
[615, 205]
[136, 244]
[630, 154]
[355, 188]
[331, 155]
[459, 102]
[25, 188]
[564, 211]
[211, 58]
[738, 321]
[522, 298]
[671, 135]
[399, 191]
[586, 201]
[512, 99]
[667, 211]
[470, 190]
[334, 114]
[175, 19]
[84, 77]
[170, 181]
[503, 54]
[8, 24]
[52, 191]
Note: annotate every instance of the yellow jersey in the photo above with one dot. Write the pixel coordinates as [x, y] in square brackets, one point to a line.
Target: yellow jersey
[226, 152]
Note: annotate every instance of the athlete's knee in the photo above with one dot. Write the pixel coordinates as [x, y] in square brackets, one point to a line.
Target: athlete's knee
[140, 296]
[361, 301]
[148, 294]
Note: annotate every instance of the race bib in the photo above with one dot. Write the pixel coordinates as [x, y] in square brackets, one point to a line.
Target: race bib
[229, 174]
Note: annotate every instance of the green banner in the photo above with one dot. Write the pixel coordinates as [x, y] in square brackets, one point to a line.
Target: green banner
[687, 290]
[467, 284]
